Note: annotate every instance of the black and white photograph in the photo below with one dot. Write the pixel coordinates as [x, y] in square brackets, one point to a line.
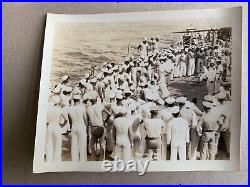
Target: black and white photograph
[153, 86]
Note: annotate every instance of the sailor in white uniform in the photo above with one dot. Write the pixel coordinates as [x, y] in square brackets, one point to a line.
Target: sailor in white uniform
[97, 129]
[54, 131]
[153, 129]
[183, 66]
[210, 75]
[219, 72]
[144, 52]
[179, 135]
[123, 136]
[166, 115]
[78, 133]
[66, 100]
[187, 113]
[206, 129]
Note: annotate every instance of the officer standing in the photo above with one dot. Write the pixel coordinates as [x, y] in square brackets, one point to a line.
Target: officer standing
[206, 129]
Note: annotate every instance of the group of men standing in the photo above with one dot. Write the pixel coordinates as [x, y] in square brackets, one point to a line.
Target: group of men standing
[126, 109]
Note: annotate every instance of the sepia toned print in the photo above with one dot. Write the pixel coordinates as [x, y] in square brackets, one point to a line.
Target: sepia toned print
[157, 90]
[100, 80]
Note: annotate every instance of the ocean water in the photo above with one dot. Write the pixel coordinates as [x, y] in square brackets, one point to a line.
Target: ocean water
[77, 46]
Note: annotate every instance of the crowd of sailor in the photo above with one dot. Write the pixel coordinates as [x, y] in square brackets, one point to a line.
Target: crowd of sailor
[127, 110]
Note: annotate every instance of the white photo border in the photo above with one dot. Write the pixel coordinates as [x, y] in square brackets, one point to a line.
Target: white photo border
[232, 14]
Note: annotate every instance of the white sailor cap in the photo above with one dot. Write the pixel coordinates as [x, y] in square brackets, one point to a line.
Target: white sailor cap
[181, 100]
[154, 108]
[121, 68]
[156, 75]
[215, 103]
[145, 39]
[123, 110]
[106, 70]
[212, 61]
[127, 90]
[76, 90]
[209, 98]
[170, 55]
[118, 94]
[152, 97]
[65, 77]
[85, 97]
[127, 58]
[106, 81]
[77, 97]
[132, 88]
[170, 100]
[188, 104]
[105, 63]
[142, 84]
[163, 57]
[207, 104]
[68, 89]
[93, 80]
[83, 82]
[99, 76]
[175, 110]
[103, 69]
[171, 48]
[220, 95]
[123, 87]
[132, 106]
[109, 65]
[116, 67]
[56, 90]
[131, 63]
[87, 75]
[110, 71]
[92, 94]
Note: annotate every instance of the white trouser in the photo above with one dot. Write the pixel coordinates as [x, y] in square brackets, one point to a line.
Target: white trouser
[78, 143]
[191, 67]
[54, 143]
[194, 142]
[183, 69]
[123, 148]
[175, 72]
[180, 149]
